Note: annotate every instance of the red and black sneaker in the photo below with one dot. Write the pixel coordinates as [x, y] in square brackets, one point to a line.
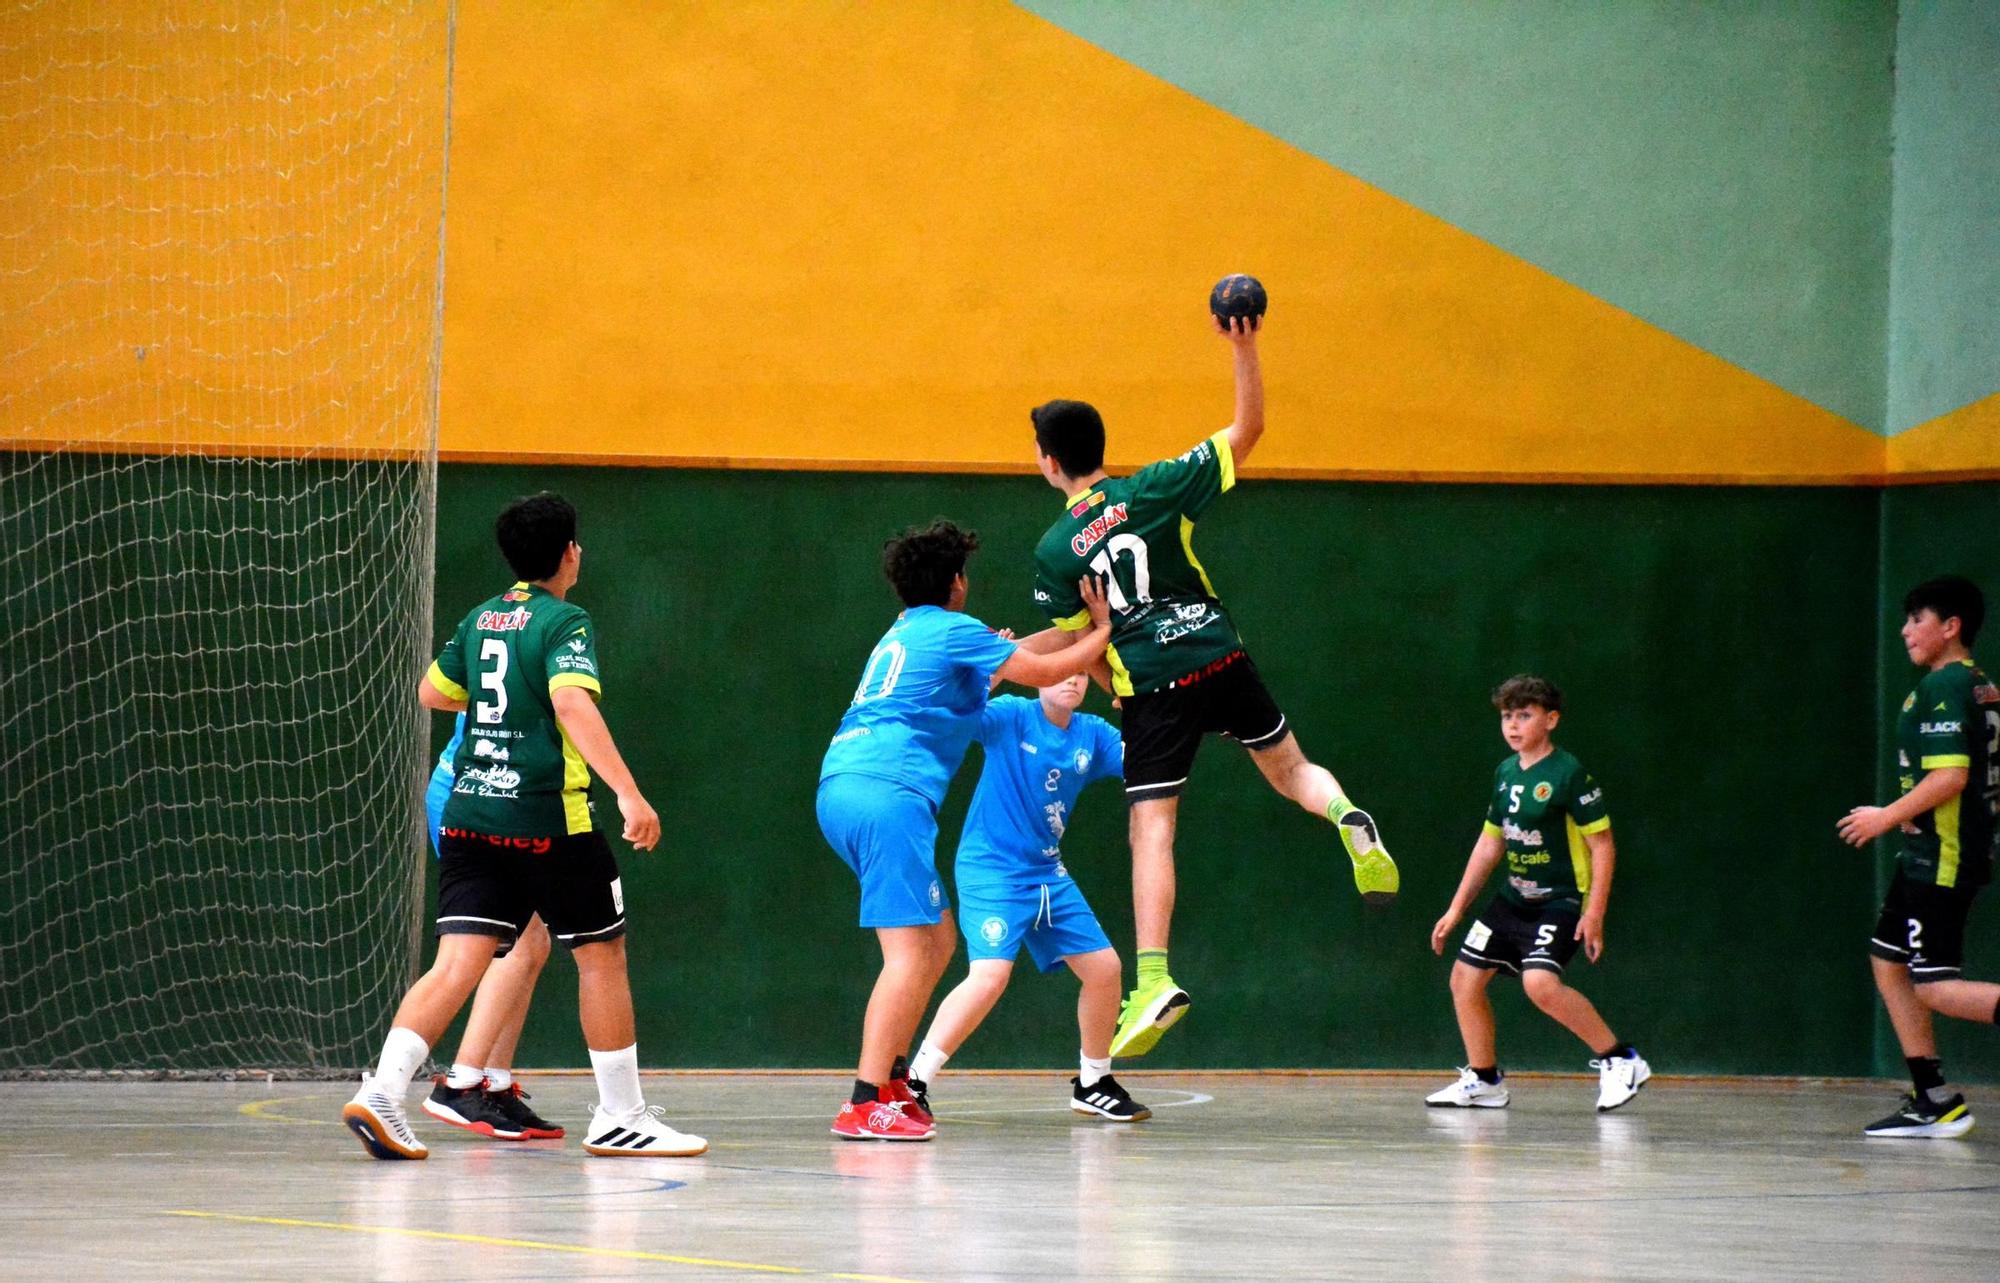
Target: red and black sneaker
[913, 1097]
[472, 1108]
[881, 1119]
[513, 1102]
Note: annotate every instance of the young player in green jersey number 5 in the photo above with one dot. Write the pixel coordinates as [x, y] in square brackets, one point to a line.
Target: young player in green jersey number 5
[1175, 659]
[1948, 760]
[1547, 819]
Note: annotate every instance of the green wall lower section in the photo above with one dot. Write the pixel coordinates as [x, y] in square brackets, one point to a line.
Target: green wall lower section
[1713, 644]
[1927, 531]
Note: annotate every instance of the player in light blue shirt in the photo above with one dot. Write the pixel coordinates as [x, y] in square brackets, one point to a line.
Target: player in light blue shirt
[914, 713]
[1013, 888]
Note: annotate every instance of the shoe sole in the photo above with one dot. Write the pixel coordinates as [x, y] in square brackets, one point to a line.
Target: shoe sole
[1082, 1107]
[374, 1135]
[455, 1119]
[1928, 1131]
[606, 1151]
[1469, 1104]
[878, 1136]
[1171, 1006]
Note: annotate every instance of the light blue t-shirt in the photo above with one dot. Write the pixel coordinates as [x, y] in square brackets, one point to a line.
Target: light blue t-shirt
[918, 704]
[1034, 770]
[450, 754]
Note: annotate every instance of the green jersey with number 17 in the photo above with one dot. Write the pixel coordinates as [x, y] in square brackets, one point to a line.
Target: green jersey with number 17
[1138, 533]
[517, 774]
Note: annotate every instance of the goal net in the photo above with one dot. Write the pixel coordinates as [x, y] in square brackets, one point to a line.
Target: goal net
[221, 226]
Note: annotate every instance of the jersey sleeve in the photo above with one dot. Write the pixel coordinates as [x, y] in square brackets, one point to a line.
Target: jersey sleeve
[1944, 731]
[572, 657]
[1056, 595]
[973, 645]
[1495, 813]
[448, 670]
[1192, 481]
[996, 719]
[1108, 759]
[1584, 800]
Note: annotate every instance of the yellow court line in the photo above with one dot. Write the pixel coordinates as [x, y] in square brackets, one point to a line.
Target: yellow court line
[259, 1110]
[482, 1240]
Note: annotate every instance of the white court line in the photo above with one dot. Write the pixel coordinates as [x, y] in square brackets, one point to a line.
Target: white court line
[1193, 1098]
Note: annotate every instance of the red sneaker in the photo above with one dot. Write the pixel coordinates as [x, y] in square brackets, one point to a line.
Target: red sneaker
[915, 1103]
[882, 1120]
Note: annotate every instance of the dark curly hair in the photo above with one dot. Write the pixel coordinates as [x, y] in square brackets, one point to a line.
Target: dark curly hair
[921, 563]
[534, 533]
[1071, 433]
[1523, 689]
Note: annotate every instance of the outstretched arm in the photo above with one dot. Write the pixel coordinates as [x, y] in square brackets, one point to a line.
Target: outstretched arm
[1486, 853]
[1248, 426]
[584, 725]
[1864, 824]
[1026, 668]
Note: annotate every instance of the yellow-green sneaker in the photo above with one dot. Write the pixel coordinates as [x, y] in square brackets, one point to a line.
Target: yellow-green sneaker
[1375, 874]
[1149, 1011]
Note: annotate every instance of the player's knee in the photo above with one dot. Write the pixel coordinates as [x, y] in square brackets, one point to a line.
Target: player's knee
[534, 945]
[1544, 988]
[600, 956]
[1466, 980]
[1099, 970]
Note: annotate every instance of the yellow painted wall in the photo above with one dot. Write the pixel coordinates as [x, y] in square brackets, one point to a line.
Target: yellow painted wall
[878, 234]
[1964, 443]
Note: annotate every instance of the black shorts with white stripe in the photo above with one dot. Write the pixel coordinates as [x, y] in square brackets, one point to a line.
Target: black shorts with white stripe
[1514, 938]
[1922, 926]
[1163, 728]
[491, 885]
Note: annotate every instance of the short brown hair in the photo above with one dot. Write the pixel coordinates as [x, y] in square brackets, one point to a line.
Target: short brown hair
[1523, 689]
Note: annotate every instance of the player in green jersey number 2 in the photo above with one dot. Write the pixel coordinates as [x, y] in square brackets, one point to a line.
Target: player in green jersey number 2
[1948, 760]
[1175, 660]
[1547, 819]
[518, 838]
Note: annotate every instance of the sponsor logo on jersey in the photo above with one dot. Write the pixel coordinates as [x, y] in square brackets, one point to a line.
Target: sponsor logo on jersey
[1055, 812]
[1029, 748]
[1591, 798]
[485, 748]
[1909, 701]
[496, 777]
[1086, 539]
[515, 594]
[1211, 669]
[1544, 791]
[503, 621]
[993, 931]
[578, 644]
[1528, 890]
[539, 846]
[856, 733]
[1526, 837]
[1198, 454]
[1941, 728]
[1086, 503]
[1082, 760]
[937, 894]
[1987, 694]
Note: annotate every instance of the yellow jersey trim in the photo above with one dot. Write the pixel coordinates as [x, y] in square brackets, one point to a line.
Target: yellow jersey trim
[1121, 679]
[1946, 759]
[1598, 825]
[1579, 854]
[1227, 458]
[584, 680]
[445, 686]
[1948, 842]
[1080, 496]
[1075, 623]
[1492, 830]
[1187, 550]
[576, 784]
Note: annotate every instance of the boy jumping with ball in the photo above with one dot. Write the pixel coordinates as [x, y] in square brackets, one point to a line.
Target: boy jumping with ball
[1546, 817]
[1013, 888]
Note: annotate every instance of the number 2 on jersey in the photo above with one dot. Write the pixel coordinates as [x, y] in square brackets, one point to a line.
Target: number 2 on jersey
[1105, 562]
[493, 681]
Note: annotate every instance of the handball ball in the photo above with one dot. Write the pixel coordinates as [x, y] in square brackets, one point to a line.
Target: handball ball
[1235, 296]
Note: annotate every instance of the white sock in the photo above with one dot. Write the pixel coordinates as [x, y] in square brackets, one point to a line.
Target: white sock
[1092, 1070]
[463, 1076]
[929, 1060]
[403, 1054]
[617, 1073]
[499, 1079]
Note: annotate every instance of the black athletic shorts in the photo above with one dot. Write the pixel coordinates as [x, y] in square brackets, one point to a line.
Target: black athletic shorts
[491, 886]
[1162, 729]
[1515, 938]
[1923, 926]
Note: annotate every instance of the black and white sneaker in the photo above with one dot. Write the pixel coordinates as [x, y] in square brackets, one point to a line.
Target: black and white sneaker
[1106, 1099]
[472, 1108]
[1922, 1118]
[513, 1102]
[641, 1135]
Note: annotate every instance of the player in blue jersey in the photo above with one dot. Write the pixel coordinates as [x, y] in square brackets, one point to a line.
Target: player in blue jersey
[480, 1094]
[902, 738]
[1013, 888]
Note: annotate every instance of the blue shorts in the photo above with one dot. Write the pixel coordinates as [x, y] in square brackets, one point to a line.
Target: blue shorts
[434, 799]
[1051, 918]
[888, 836]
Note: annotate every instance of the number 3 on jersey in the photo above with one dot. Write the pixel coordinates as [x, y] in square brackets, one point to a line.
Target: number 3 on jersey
[1105, 562]
[493, 681]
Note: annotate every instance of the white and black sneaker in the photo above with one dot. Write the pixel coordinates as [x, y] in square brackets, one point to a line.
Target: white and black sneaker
[1925, 1118]
[1106, 1099]
[1470, 1092]
[643, 1135]
[1619, 1079]
[377, 1119]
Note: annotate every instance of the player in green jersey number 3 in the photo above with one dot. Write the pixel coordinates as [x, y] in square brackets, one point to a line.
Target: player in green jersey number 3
[1175, 660]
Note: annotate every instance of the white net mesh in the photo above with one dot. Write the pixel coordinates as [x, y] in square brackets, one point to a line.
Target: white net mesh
[220, 233]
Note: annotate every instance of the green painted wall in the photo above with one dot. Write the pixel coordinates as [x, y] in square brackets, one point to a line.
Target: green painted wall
[1721, 170]
[1926, 531]
[735, 609]
[1944, 297]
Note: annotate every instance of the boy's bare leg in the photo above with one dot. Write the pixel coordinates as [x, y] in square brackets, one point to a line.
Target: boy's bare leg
[1097, 1001]
[913, 961]
[968, 1005]
[1285, 767]
[1152, 834]
[437, 996]
[1568, 1008]
[500, 1007]
[1475, 1014]
[1974, 1000]
[1908, 1016]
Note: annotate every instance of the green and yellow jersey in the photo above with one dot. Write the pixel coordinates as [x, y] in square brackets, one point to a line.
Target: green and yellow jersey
[1137, 532]
[1542, 813]
[1952, 718]
[517, 774]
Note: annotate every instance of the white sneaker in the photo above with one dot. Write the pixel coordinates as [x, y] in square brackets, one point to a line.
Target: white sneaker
[377, 1119]
[643, 1136]
[1619, 1079]
[1471, 1092]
